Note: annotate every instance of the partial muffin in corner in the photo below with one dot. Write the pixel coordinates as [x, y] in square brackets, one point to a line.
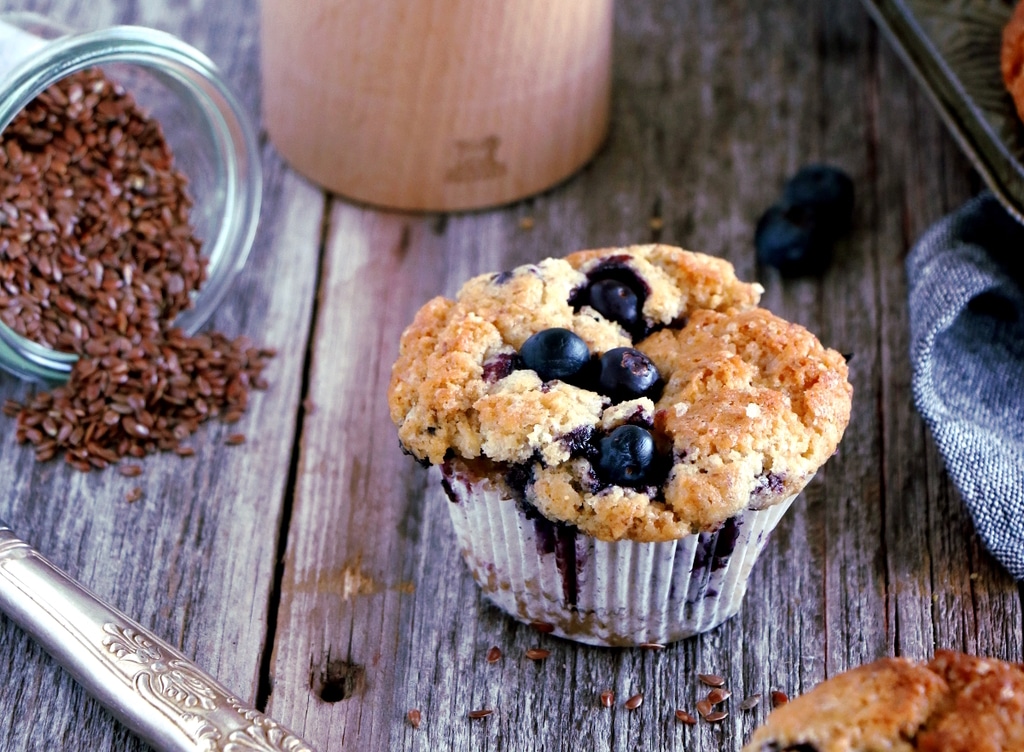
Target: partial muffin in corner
[954, 703]
[1011, 57]
[618, 432]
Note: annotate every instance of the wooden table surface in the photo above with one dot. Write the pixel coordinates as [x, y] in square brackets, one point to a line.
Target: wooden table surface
[313, 569]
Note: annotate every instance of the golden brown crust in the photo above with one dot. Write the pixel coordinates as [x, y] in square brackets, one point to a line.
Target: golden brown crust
[955, 702]
[749, 394]
[752, 405]
[1012, 57]
[878, 706]
[985, 712]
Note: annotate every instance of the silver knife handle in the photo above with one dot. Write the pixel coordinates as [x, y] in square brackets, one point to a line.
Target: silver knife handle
[151, 687]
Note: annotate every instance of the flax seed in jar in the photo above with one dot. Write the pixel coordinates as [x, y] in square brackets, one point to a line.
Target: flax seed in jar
[123, 140]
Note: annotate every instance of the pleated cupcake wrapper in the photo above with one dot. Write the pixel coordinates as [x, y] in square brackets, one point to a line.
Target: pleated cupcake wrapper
[598, 592]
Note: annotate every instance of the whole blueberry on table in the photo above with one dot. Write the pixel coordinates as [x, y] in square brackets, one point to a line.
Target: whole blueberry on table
[615, 301]
[797, 234]
[792, 242]
[826, 192]
[626, 456]
[555, 353]
[626, 373]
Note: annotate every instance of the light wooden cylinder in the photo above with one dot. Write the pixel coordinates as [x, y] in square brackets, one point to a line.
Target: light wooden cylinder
[436, 104]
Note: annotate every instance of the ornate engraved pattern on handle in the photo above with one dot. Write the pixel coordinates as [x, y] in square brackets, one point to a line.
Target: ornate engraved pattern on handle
[194, 700]
[263, 734]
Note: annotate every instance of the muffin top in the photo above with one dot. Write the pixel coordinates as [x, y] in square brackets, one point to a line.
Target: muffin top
[641, 389]
[954, 703]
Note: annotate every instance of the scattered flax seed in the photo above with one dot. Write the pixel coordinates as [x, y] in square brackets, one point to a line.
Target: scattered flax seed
[235, 439]
[712, 680]
[309, 406]
[607, 698]
[651, 646]
[526, 223]
[779, 698]
[482, 713]
[684, 717]
[130, 471]
[634, 702]
[184, 451]
[718, 695]
[133, 495]
[718, 715]
[543, 627]
[750, 702]
[494, 654]
[11, 408]
[537, 654]
[704, 708]
[414, 717]
[656, 223]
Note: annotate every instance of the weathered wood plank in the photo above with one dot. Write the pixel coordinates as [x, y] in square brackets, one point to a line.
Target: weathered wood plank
[912, 556]
[195, 558]
[855, 492]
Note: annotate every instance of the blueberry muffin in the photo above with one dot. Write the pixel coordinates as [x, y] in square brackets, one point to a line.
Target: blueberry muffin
[954, 703]
[619, 427]
[1012, 57]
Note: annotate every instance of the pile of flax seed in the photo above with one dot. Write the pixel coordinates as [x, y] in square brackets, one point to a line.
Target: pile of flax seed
[97, 257]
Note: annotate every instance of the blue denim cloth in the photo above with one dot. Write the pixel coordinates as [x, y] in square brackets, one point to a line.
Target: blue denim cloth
[967, 351]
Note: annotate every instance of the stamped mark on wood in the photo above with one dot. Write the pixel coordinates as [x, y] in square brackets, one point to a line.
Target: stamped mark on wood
[475, 159]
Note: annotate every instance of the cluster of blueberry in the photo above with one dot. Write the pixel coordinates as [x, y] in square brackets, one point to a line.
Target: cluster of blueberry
[797, 234]
[627, 456]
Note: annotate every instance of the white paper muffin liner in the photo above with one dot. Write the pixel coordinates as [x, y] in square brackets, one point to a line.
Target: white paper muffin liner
[602, 593]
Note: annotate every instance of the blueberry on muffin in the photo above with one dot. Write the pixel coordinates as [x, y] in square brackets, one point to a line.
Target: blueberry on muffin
[745, 406]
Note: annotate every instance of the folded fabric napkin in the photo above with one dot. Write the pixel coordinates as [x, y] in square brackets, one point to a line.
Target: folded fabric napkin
[966, 279]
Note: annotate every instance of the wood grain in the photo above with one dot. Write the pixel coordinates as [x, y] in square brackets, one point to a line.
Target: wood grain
[439, 104]
[313, 569]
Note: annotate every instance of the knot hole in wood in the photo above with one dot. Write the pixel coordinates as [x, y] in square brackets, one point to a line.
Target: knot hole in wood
[338, 680]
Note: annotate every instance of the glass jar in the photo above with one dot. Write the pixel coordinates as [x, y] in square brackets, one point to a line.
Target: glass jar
[212, 140]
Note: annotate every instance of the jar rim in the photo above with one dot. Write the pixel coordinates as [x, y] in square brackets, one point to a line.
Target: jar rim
[233, 136]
